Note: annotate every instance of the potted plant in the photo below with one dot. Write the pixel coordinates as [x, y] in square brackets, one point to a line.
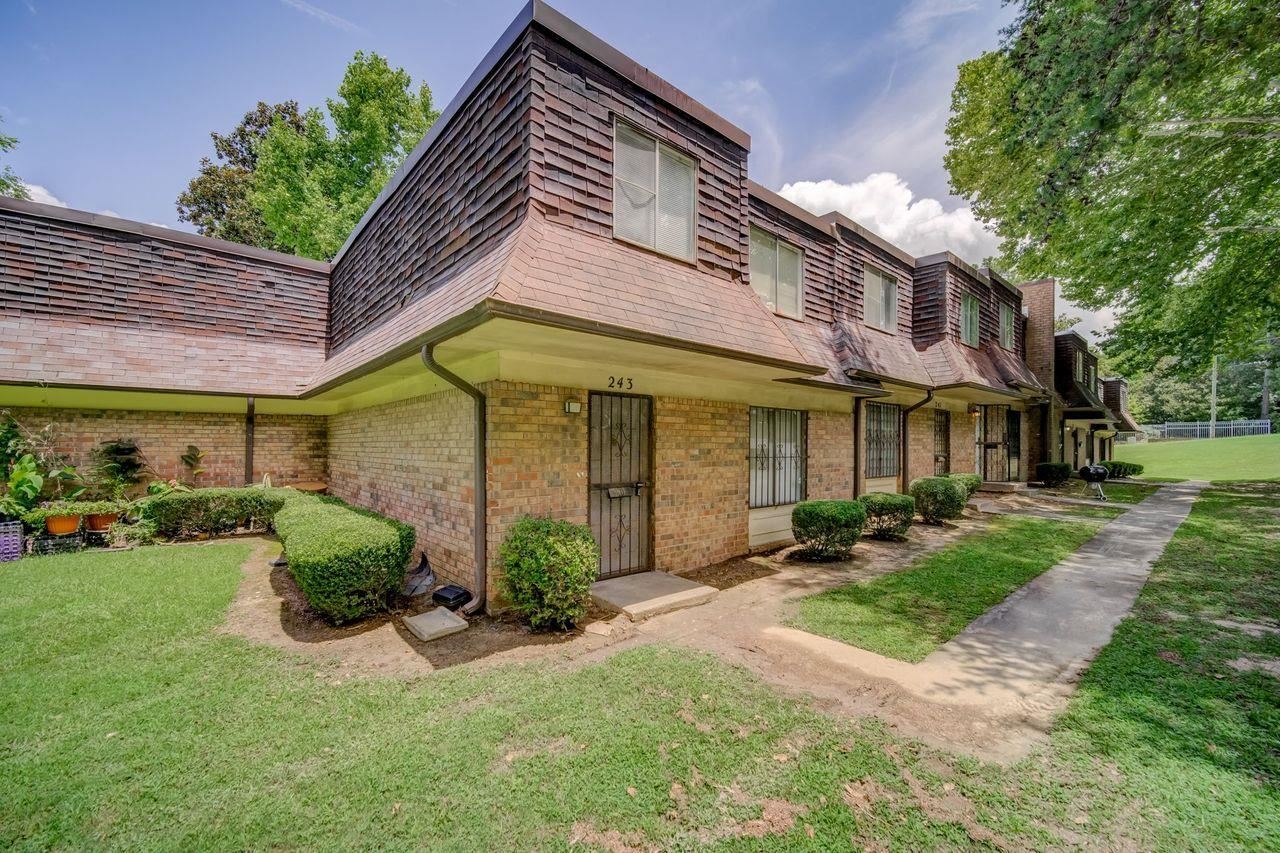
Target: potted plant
[100, 515]
[59, 518]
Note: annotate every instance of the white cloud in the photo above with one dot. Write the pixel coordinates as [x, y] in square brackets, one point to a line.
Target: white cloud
[884, 203]
[328, 18]
[42, 195]
[920, 20]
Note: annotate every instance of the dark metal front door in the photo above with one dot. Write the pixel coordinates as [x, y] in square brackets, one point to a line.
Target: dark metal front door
[621, 481]
[993, 442]
[941, 442]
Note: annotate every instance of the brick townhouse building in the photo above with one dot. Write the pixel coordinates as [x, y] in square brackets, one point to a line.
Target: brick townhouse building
[571, 301]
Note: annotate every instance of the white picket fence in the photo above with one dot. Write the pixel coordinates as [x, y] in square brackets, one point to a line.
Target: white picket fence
[1202, 429]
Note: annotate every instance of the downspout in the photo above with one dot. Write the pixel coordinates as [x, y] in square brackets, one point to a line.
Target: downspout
[480, 497]
[905, 437]
[858, 479]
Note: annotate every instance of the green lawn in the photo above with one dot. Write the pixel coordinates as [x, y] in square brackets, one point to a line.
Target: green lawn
[126, 721]
[1249, 457]
[1124, 493]
[1102, 511]
[908, 614]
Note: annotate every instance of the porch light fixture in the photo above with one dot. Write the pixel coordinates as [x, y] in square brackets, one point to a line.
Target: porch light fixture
[974, 410]
[572, 407]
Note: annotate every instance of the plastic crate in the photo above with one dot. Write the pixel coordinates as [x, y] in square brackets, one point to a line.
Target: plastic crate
[44, 545]
[10, 541]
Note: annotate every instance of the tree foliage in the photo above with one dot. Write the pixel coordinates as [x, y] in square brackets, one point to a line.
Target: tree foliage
[312, 185]
[1131, 148]
[217, 200]
[10, 184]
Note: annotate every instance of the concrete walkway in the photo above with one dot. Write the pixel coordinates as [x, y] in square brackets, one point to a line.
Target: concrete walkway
[1022, 657]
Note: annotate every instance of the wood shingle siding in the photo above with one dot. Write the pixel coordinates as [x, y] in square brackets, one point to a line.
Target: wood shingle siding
[460, 199]
[574, 105]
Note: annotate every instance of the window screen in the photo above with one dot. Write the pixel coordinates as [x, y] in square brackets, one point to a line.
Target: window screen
[776, 273]
[777, 457]
[880, 296]
[1006, 326]
[654, 193]
[883, 446]
[969, 319]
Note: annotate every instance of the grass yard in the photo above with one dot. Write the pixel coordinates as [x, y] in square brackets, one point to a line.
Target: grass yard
[1106, 512]
[128, 721]
[1247, 457]
[908, 614]
[1123, 493]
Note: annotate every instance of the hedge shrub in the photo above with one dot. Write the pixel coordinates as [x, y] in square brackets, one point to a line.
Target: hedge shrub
[889, 516]
[349, 563]
[938, 498]
[183, 515]
[1116, 468]
[1053, 473]
[827, 530]
[548, 568]
[971, 483]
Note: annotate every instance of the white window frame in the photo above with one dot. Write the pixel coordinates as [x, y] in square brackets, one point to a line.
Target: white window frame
[1008, 337]
[660, 148]
[967, 299]
[773, 305]
[889, 314]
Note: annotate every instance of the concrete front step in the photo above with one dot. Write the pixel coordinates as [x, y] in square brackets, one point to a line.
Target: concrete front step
[648, 594]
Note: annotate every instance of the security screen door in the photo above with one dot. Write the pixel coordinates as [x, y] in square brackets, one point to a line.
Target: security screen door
[620, 480]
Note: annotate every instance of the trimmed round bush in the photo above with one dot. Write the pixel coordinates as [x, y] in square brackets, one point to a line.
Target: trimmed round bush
[971, 483]
[349, 563]
[1053, 474]
[1116, 468]
[938, 498]
[827, 530]
[889, 516]
[548, 568]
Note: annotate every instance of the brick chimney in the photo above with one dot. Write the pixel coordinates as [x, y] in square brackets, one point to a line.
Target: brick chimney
[1037, 297]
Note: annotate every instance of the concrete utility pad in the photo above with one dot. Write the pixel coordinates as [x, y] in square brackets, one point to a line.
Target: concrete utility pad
[649, 593]
[434, 624]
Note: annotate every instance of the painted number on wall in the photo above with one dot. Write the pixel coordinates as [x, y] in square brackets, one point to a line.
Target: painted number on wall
[621, 383]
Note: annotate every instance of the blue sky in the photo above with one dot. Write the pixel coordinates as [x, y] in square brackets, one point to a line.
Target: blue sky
[113, 102]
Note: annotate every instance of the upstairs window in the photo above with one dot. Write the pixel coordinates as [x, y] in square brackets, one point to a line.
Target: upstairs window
[1079, 370]
[969, 319]
[1006, 326]
[654, 193]
[1093, 379]
[880, 299]
[775, 273]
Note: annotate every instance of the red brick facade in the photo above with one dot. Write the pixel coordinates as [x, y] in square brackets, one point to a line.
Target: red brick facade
[412, 460]
[830, 456]
[701, 482]
[291, 448]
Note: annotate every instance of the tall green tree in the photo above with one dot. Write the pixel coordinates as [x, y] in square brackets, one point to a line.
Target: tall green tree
[312, 187]
[1131, 148]
[217, 200]
[10, 184]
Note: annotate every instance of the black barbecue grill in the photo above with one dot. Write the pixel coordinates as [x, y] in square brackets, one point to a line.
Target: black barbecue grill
[1095, 475]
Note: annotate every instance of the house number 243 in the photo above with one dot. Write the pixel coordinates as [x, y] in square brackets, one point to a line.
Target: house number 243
[621, 383]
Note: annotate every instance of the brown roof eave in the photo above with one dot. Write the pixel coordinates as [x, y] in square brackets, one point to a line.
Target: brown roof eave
[888, 380]
[857, 389]
[991, 389]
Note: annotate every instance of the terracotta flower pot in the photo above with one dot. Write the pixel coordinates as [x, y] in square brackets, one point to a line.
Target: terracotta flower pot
[100, 522]
[61, 525]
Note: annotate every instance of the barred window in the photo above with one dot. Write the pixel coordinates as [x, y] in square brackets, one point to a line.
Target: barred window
[883, 445]
[777, 456]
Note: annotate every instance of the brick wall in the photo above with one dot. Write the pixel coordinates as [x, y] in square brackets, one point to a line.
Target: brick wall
[412, 460]
[963, 451]
[288, 447]
[701, 482]
[830, 452]
[1037, 296]
[920, 432]
[537, 459]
